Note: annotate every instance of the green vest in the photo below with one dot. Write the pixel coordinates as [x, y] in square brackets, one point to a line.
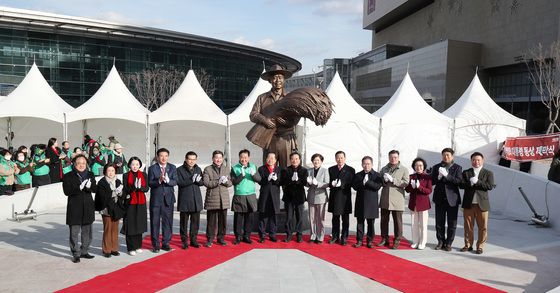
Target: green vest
[42, 170]
[23, 178]
[247, 185]
[68, 168]
[97, 169]
[4, 165]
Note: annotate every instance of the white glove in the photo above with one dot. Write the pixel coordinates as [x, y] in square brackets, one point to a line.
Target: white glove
[194, 177]
[198, 178]
[338, 183]
[333, 183]
[83, 184]
[413, 184]
[223, 179]
[388, 177]
[137, 183]
[417, 183]
[310, 180]
[252, 171]
[166, 178]
[474, 180]
[295, 177]
[366, 178]
[315, 182]
[274, 176]
[242, 171]
[88, 184]
[442, 172]
[270, 176]
[119, 189]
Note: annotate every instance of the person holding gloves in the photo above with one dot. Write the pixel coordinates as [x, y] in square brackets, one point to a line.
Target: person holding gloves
[317, 196]
[366, 183]
[109, 192]
[340, 199]
[269, 197]
[217, 181]
[135, 222]
[419, 187]
[189, 180]
[293, 184]
[244, 202]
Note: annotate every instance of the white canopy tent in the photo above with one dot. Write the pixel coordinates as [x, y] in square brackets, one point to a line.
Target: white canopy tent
[408, 123]
[239, 123]
[351, 129]
[190, 120]
[113, 110]
[33, 111]
[480, 124]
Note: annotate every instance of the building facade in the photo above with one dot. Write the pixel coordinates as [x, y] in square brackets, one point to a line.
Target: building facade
[75, 55]
[442, 43]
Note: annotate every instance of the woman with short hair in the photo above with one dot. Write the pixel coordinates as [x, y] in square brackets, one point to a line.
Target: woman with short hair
[317, 197]
[420, 188]
[107, 199]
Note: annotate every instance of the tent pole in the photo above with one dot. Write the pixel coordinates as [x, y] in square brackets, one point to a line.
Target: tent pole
[453, 142]
[64, 129]
[147, 140]
[228, 140]
[9, 134]
[84, 127]
[304, 142]
[379, 144]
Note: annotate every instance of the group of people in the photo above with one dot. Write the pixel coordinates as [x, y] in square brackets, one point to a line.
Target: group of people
[378, 193]
[45, 164]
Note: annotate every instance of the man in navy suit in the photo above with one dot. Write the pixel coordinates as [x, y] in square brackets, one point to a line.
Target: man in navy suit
[162, 177]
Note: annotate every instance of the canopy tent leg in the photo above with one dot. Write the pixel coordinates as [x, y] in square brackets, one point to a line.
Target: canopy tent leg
[147, 141]
[9, 133]
[64, 129]
[453, 142]
[304, 142]
[228, 141]
[379, 144]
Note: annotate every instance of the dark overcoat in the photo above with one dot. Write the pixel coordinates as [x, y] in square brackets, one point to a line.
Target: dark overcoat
[367, 195]
[340, 199]
[190, 196]
[80, 209]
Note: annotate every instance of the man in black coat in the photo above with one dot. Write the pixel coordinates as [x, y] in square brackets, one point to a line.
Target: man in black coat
[189, 180]
[340, 199]
[446, 176]
[366, 183]
[293, 183]
[78, 186]
[268, 204]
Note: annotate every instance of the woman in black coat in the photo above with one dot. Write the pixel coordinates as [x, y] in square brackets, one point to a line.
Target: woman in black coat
[135, 222]
[54, 155]
[367, 184]
[293, 183]
[268, 204]
[107, 199]
[189, 180]
[80, 211]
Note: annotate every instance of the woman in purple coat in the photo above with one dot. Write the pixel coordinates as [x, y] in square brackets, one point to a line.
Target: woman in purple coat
[420, 187]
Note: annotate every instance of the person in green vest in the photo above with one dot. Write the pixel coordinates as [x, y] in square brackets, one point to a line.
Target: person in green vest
[40, 167]
[23, 178]
[117, 158]
[67, 161]
[244, 203]
[96, 161]
[7, 171]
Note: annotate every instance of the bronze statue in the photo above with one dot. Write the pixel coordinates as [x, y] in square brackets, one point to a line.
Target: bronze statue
[276, 114]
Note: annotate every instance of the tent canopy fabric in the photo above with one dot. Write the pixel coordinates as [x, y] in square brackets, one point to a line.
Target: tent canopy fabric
[180, 107]
[475, 107]
[241, 113]
[112, 100]
[350, 128]
[34, 98]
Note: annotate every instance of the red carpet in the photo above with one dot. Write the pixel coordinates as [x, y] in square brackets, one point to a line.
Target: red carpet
[172, 267]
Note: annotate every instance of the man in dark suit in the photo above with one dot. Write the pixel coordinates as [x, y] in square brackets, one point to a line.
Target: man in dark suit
[189, 180]
[162, 177]
[340, 200]
[293, 184]
[446, 176]
[477, 181]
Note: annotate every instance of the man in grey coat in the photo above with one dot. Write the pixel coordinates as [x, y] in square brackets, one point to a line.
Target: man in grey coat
[395, 179]
[217, 181]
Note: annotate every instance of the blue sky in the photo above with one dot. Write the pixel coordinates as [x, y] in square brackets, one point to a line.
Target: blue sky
[307, 30]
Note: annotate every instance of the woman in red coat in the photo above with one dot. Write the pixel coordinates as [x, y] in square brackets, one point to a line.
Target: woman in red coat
[420, 187]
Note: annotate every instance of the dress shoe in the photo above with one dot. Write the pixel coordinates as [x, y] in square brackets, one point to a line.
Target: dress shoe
[261, 239]
[247, 240]
[185, 245]
[438, 246]
[115, 253]
[107, 255]
[479, 251]
[222, 242]
[166, 248]
[414, 245]
[273, 238]
[139, 250]
[358, 244]
[312, 240]
[318, 241]
[237, 240]
[384, 242]
[87, 256]
[421, 247]
[75, 259]
[396, 244]
[368, 244]
[288, 238]
[208, 244]
[155, 250]
[132, 253]
[446, 248]
[195, 244]
[299, 238]
[333, 240]
[343, 242]
[466, 248]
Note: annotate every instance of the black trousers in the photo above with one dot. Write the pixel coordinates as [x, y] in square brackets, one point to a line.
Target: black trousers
[243, 224]
[161, 216]
[133, 242]
[443, 212]
[184, 224]
[216, 220]
[360, 229]
[397, 223]
[293, 209]
[336, 226]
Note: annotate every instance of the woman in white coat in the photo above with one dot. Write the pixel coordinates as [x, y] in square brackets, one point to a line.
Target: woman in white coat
[317, 197]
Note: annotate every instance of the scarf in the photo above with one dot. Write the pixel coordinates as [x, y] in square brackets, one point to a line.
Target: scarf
[113, 185]
[270, 168]
[447, 166]
[136, 196]
[82, 175]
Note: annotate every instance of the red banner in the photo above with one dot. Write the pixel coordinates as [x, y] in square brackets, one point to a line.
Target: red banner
[531, 148]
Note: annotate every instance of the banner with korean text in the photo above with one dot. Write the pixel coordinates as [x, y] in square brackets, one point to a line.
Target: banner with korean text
[531, 148]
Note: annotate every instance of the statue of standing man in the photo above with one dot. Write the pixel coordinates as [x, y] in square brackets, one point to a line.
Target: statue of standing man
[283, 142]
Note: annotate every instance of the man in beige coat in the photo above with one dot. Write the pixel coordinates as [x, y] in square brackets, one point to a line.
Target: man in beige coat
[217, 181]
[395, 179]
